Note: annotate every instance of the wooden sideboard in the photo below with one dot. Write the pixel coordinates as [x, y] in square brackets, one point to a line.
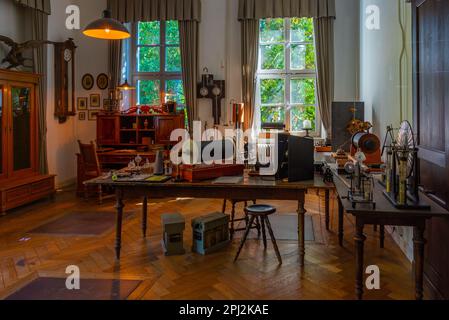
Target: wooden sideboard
[134, 131]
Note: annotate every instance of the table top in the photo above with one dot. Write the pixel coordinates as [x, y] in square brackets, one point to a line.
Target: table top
[252, 182]
[383, 205]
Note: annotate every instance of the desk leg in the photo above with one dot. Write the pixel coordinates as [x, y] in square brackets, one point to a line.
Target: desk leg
[144, 216]
[118, 232]
[326, 208]
[340, 223]
[382, 236]
[301, 214]
[418, 246]
[359, 240]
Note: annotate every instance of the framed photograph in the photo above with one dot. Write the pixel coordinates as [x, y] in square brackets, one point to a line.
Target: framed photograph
[82, 103]
[87, 81]
[95, 101]
[102, 81]
[82, 116]
[106, 103]
[93, 115]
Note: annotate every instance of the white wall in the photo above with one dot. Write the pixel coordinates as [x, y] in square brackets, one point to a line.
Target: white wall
[346, 50]
[92, 57]
[380, 52]
[61, 138]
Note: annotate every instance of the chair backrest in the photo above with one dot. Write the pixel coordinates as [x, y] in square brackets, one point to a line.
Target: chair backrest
[90, 158]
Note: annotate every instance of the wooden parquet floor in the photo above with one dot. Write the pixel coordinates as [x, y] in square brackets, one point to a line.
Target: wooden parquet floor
[328, 271]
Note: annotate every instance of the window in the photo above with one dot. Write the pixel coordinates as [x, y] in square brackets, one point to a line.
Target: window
[156, 67]
[286, 77]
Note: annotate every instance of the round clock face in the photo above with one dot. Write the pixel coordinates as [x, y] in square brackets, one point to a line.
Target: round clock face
[216, 91]
[67, 55]
[204, 91]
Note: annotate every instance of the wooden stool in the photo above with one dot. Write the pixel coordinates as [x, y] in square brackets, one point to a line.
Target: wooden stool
[232, 220]
[262, 212]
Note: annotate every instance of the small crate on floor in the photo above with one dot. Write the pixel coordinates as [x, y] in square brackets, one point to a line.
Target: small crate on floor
[210, 233]
[173, 225]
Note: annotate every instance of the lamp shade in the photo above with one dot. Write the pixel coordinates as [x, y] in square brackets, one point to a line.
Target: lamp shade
[107, 28]
[125, 86]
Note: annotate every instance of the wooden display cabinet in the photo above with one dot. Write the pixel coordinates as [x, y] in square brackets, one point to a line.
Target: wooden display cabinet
[20, 181]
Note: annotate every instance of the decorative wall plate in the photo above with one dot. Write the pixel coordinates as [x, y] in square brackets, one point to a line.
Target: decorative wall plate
[87, 81]
[102, 81]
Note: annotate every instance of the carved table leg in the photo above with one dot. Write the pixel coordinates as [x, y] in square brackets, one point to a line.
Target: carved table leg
[340, 223]
[301, 214]
[118, 233]
[382, 236]
[418, 246]
[326, 208]
[359, 240]
[144, 216]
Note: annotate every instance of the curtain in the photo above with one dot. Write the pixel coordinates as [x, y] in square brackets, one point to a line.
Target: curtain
[40, 5]
[261, 9]
[114, 63]
[188, 31]
[39, 31]
[151, 10]
[324, 46]
[250, 50]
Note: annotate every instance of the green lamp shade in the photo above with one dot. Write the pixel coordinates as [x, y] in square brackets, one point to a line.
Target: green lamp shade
[106, 28]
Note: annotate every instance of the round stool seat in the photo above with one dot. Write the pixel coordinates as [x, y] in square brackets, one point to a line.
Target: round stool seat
[260, 209]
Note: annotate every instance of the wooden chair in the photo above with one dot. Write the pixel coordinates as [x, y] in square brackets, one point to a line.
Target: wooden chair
[90, 166]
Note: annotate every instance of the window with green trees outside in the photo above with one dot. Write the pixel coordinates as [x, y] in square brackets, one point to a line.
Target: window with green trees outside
[157, 67]
[286, 77]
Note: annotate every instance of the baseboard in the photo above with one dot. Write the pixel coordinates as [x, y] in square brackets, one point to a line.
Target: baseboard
[66, 184]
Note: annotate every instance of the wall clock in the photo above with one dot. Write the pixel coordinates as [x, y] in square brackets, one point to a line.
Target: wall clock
[87, 81]
[65, 80]
[102, 81]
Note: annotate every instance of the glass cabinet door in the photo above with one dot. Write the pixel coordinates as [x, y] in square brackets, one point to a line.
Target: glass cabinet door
[21, 105]
[2, 130]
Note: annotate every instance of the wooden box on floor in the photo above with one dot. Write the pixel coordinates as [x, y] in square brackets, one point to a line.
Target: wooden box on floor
[210, 233]
[173, 226]
[20, 181]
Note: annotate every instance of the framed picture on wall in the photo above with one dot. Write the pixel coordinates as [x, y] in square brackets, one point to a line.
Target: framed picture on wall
[102, 81]
[82, 116]
[93, 115]
[95, 101]
[106, 103]
[82, 103]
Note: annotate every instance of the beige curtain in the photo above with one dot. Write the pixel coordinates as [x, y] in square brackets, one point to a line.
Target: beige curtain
[261, 9]
[151, 10]
[324, 44]
[115, 62]
[188, 31]
[39, 31]
[40, 5]
[250, 50]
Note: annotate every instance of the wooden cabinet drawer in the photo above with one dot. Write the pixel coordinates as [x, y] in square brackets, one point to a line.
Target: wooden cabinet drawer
[18, 193]
[42, 186]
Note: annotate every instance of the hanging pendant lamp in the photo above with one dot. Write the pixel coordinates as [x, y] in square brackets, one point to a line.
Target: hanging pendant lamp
[107, 28]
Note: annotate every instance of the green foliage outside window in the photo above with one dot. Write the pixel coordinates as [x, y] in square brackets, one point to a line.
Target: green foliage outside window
[296, 36]
[149, 92]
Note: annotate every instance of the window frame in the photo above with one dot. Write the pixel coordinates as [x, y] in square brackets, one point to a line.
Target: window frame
[163, 76]
[287, 74]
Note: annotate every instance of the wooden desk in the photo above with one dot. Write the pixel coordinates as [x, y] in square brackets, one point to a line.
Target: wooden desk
[253, 188]
[385, 214]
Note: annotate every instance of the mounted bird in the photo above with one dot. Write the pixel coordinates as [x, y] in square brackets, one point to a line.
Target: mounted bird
[15, 56]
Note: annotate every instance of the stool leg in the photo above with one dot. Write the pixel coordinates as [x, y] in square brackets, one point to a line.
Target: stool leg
[248, 227]
[258, 220]
[264, 234]
[273, 239]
